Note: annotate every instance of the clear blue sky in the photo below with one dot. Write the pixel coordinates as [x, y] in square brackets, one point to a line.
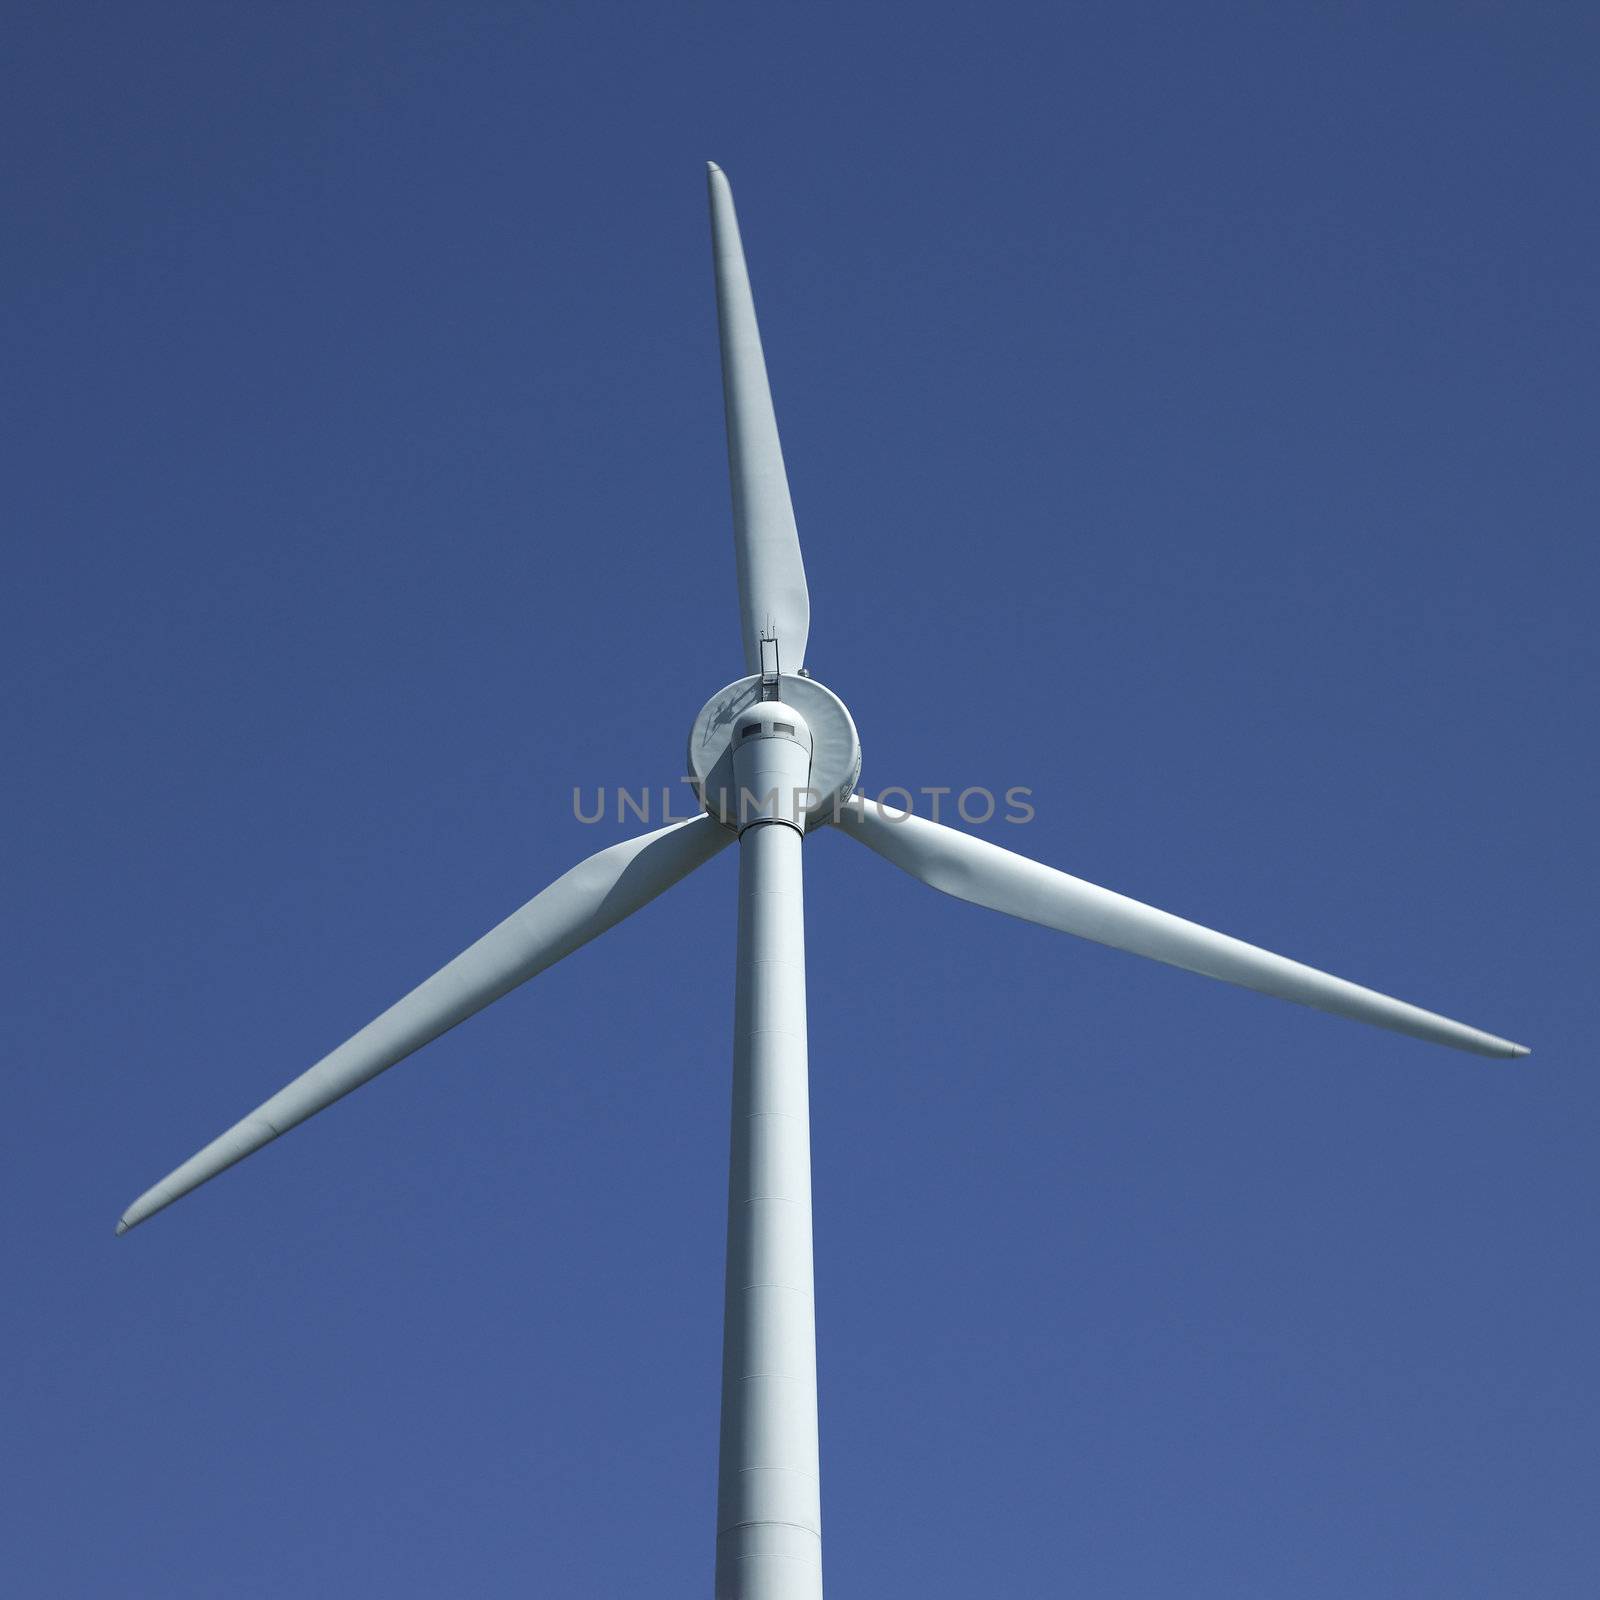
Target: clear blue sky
[1191, 414]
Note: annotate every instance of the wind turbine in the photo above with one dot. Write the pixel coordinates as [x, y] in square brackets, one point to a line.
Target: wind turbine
[775, 756]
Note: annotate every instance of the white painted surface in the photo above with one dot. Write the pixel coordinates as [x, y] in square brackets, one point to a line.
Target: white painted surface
[771, 766]
[772, 577]
[835, 746]
[769, 1517]
[595, 895]
[987, 875]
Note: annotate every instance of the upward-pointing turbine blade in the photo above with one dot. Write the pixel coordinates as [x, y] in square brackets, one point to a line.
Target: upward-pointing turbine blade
[772, 578]
[581, 904]
[987, 875]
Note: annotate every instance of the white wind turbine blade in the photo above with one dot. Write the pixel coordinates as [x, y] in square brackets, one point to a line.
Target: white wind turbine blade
[581, 904]
[772, 578]
[988, 875]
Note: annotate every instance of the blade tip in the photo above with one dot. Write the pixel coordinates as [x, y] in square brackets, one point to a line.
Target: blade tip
[1505, 1049]
[122, 1226]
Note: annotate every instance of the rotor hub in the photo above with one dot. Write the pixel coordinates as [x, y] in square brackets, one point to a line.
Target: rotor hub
[803, 744]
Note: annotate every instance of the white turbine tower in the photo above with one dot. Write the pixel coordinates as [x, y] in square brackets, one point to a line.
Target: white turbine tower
[775, 756]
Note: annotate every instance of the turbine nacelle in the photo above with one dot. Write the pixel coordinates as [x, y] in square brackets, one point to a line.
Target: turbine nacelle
[722, 771]
[772, 766]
